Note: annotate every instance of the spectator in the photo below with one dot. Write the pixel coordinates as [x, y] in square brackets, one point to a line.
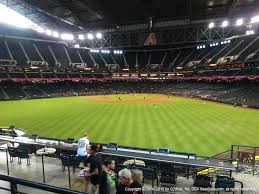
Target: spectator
[95, 168]
[86, 169]
[125, 180]
[82, 147]
[137, 177]
[107, 178]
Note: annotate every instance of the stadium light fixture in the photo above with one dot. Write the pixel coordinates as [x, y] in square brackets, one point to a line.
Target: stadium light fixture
[81, 37]
[49, 32]
[239, 22]
[203, 46]
[211, 25]
[40, 30]
[250, 32]
[66, 36]
[255, 19]
[55, 34]
[224, 24]
[99, 35]
[90, 36]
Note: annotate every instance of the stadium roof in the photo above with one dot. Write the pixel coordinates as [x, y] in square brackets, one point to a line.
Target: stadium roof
[76, 15]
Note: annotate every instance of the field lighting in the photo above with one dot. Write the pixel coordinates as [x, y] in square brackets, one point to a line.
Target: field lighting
[40, 30]
[255, 19]
[67, 36]
[55, 34]
[81, 37]
[99, 35]
[49, 32]
[239, 22]
[211, 25]
[90, 36]
[224, 24]
[250, 32]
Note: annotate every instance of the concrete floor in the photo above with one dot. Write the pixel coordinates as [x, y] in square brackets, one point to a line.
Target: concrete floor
[55, 176]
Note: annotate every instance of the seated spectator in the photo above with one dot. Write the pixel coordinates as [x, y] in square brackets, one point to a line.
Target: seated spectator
[107, 178]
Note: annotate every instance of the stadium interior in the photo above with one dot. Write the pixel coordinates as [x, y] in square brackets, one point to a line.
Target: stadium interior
[207, 50]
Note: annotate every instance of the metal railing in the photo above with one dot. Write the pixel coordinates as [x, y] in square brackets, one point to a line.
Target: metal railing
[33, 185]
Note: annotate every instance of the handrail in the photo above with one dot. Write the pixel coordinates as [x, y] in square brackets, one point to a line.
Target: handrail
[245, 146]
[17, 181]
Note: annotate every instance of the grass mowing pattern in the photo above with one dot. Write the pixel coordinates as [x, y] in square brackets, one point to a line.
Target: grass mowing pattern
[186, 125]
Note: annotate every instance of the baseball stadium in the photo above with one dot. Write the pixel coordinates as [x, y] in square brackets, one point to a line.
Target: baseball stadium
[94, 94]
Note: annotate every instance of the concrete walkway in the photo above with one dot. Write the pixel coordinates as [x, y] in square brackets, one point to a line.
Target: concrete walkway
[55, 176]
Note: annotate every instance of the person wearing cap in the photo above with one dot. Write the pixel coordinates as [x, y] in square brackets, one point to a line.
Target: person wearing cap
[82, 147]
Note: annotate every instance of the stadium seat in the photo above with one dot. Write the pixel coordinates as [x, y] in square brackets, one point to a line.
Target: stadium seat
[13, 152]
[69, 161]
[202, 181]
[225, 182]
[23, 153]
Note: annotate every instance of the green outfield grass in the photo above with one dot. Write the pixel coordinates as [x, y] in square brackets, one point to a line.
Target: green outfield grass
[186, 125]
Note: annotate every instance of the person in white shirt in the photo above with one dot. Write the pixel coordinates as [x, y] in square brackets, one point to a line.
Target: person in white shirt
[82, 147]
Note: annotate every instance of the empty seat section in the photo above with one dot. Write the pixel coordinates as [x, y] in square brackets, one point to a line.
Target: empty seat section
[157, 57]
[241, 45]
[30, 50]
[3, 51]
[131, 59]
[170, 57]
[99, 60]
[60, 54]
[142, 61]
[251, 49]
[3, 75]
[74, 57]
[74, 75]
[16, 75]
[182, 56]
[13, 90]
[33, 75]
[119, 59]
[85, 54]
[108, 58]
[17, 52]
[192, 56]
[48, 75]
[45, 53]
